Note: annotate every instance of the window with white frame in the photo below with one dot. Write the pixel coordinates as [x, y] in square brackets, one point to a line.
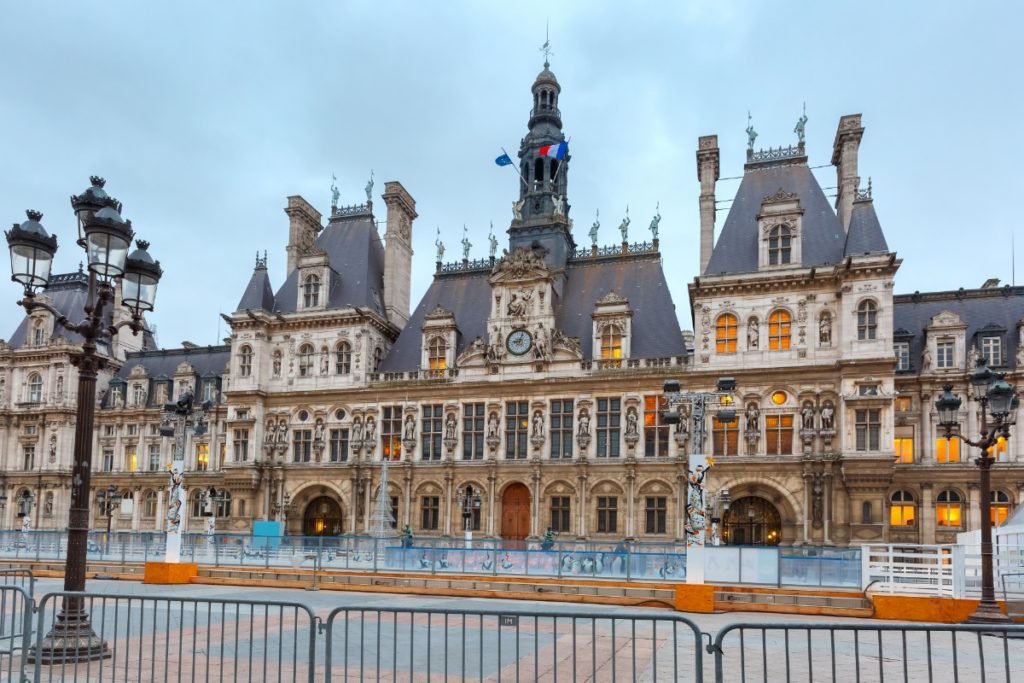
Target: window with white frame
[902, 351]
[944, 349]
[241, 445]
[437, 354]
[306, 354]
[992, 350]
[869, 429]
[867, 320]
[311, 291]
[245, 361]
[343, 358]
[780, 245]
[35, 388]
[154, 457]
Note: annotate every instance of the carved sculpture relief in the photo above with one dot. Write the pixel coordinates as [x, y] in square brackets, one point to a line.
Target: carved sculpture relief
[753, 333]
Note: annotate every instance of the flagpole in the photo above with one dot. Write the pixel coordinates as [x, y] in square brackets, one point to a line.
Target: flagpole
[516, 167]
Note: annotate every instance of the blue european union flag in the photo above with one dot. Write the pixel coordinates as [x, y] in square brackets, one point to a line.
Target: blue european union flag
[503, 160]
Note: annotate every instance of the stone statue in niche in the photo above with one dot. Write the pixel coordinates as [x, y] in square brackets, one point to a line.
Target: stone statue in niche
[276, 365]
[53, 448]
[492, 426]
[559, 201]
[972, 357]
[927, 364]
[357, 430]
[371, 429]
[807, 416]
[584, 424]
[60, 388]
[318, 430]
[517, 209]
[282, 431]
[825, 329]
[519, 303]
[817, 495]
[450, 424]
[753, 417]
[828, 417]
[631, 422]
[538, 424]
[271, 436]
[325, 361]
[410, 427]
[753, 333]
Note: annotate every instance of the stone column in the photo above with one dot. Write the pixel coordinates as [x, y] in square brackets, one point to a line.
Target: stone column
[630, 504]
[136, 508]
[926, 522]
[353, 514]
[446, 503]
[407, 505]
[535, 517]
[807, 507]
[581, 506]
[367, 501]
[158, 522]
[927, 433]
[974, 494]
[492, 484]
[828, 508]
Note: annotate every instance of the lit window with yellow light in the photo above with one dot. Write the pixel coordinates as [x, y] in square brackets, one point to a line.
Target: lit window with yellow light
[947, 450]
[202, 457]
[725, 333]
[998, 450]
[779, 397]
[902, 509]
[949, 509]
[779, 330]
[611, 343]
[903, 445]
[131, 459]
[437, 354]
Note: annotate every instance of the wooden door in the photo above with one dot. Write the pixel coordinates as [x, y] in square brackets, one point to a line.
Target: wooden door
[515, 513]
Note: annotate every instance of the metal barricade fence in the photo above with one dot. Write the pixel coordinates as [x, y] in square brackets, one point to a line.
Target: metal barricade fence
[186, 639]
[1013, 594]
[22, 578]
[881, 652]
[16, 609]
[397, 644]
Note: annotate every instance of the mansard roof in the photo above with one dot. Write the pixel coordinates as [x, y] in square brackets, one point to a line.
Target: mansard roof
[865, 235]
[822, 236]
[205, 360]
[356, 257]
[258, 295]
[638, 278]
[977, 308]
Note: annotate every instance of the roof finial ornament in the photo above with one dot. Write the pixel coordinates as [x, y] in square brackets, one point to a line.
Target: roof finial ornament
[546, 47]
[369, 188]
[440, 245]
[801, 123]
[751, 133]
[869, 187]
[595, 227]
[334, 193]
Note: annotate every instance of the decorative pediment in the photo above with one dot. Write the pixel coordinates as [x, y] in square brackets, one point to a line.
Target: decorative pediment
[439, 313]
[184, 368]
[946, 319]
[138, 372]
[612, 298]
[780, 196]
[522, 264]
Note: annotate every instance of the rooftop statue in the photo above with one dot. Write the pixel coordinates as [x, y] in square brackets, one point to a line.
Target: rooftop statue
[466, 244]
[493, 241]
[440, 246]
[624, 226]
[801, 124]
[751, 133]
[369, 188]
[334, 191]
[595, 227]
[656, 220]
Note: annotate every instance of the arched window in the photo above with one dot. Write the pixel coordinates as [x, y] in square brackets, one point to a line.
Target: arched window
[311, 291]
[611, 345]
[867, 315]
[949, 509]
[779, 330]
[902, 509]
[437, 354]
[378, 358]
[222, 507]
[343, 358]
[38, 333]
[306, 354]
[196, 505]
[149, 504]
[999, 509]
[779, 245]
[245, 361]
[725, 333]
[35, 388]
[865, 512]
[538, 173]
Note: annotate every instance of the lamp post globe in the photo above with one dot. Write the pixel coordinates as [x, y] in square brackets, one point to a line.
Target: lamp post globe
[142, 274]
[32, 250]
[107, 238]
[948, 408]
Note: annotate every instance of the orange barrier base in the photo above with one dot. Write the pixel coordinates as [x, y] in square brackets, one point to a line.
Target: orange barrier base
[695, 597]
[170, 572]
[924, 608]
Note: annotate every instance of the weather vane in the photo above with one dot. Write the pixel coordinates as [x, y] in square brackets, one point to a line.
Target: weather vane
[546, 47]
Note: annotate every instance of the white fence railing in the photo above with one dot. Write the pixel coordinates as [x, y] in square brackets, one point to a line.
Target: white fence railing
[952, 571]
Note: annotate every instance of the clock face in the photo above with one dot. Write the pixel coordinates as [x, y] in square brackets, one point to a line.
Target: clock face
[519, 342]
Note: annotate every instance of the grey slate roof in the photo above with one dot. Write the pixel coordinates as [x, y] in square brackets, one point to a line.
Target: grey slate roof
[823, 237]
[258, 293]
[356, 256]
[978, 308]
[67, 293]
[865, 235]
[206, 360]
[640, 279]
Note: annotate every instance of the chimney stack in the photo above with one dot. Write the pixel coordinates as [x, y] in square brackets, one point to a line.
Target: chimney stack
[844, 158]
[707, 173]
[398, 252]
[303, 227]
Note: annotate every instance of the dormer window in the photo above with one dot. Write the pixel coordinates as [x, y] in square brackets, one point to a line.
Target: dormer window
[611, 343]
[779, 245]
[867, 320]
[437, 354]
[902, 351]
[992, 350]
[311, 291]
[944, 354]
[38, 333]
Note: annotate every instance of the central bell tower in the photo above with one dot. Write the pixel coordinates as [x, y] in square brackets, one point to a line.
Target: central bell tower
[541, 214]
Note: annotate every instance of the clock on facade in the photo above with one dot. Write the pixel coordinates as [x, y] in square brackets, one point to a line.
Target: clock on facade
[519, 342]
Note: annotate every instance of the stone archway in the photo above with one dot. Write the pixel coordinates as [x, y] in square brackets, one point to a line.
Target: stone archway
[323, 517]
[515, 512]
[752, 521]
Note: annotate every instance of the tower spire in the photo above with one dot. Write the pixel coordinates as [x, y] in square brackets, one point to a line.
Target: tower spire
[546, 47]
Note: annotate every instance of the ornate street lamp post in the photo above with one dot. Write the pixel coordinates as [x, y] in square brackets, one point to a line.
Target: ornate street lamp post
[25, 510]
[698, 404]
[108, 499]
[719, 503]
[997, 397]
[179, 417]
[106, 237]
[469, 500]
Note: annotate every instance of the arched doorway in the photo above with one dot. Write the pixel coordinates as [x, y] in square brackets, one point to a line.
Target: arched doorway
[752, 521]
[322, 518]
[515, 512]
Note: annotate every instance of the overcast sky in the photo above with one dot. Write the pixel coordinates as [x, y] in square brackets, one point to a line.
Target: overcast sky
[205, 116]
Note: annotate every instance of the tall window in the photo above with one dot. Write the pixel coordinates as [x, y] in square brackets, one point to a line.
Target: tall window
[607, 514]
[245, 361]
[997, 451]
[222, 507]
[108, 459]
[311, 291]
[947, 450]
[517, 429]
[339, 445]
[202, 457]
[867, 320]
[131, 458]
[901, 509]
[431, 431]
[306, 357]
[378, 358]
[992, 350]
[560, 514]
[37, 334]
[473, 431]
[391, 433]
[725, 333]
[944, 353]
[302, 445]
[656, 514]
[437, 354]
[343, 358]
[903, 444]
[902, 351]
[611, 345]
[655, 433]
[154, 457]
[779, 245]
[149, 504]
[138, 395]
[28, 459]
[35, 388]
[999, 509]
[949, 509]
[780, 323]
[869, 429]
[561, 428]
[609, 420]
[393, 500]
[778, 432]
[430, 513]
[241, 445]
[725, 436]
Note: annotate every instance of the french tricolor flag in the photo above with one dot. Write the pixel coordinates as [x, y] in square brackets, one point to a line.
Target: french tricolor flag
[557, 151]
